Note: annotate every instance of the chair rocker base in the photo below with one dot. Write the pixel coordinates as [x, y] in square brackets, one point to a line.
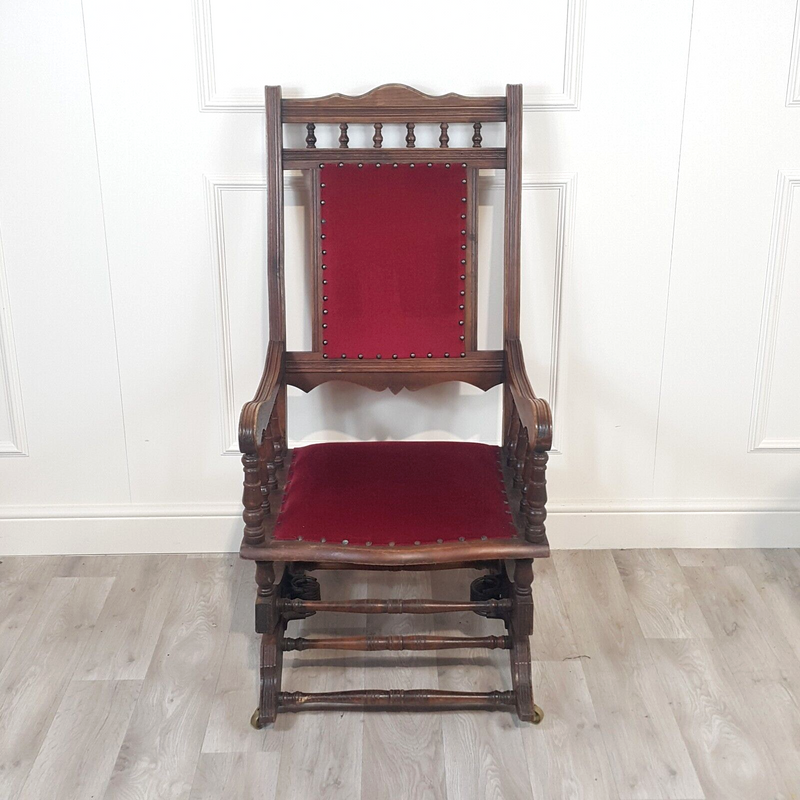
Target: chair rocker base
[494, 596]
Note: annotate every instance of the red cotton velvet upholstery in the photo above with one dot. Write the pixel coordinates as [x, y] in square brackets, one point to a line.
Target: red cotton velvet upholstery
[393, 248]
[395, 493]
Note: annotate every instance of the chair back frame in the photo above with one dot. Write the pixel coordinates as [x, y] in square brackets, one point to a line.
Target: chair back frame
[393, 103]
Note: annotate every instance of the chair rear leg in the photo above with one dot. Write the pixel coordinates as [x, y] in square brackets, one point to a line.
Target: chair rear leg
[520, 629]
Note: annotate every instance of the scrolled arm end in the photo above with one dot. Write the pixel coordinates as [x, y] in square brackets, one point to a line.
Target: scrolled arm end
[256, 413]
[534, 412]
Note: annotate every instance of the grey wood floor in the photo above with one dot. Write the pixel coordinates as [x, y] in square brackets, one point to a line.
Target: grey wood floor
[662, 673]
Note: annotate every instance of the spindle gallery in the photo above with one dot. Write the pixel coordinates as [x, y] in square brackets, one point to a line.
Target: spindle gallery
[394, 307]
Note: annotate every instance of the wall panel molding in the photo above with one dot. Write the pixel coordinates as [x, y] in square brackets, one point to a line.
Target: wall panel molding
[17, 444]
[215, 187]
[251, 100]
[793, 88]
[788, 184]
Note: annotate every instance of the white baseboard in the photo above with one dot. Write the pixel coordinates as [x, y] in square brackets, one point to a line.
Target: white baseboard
[217, 529]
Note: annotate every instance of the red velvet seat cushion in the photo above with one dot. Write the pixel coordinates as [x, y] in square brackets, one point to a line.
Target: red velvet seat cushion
[402, 493]
[393, 244]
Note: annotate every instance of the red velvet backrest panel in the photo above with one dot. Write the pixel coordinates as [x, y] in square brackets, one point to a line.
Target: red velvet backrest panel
[393, 245]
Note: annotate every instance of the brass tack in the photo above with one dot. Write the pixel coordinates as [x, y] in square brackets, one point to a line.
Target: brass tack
[377, 165]
[463, 180]
[463, 199]
[463, 260]
[341, 164]
[322, 166]
[463, 165]
[462, 292]
[323, 540]
[461, 337]
[324, 324]
[369, 544]
[299, 538]
[439, 541]
[463, 216]
[324, 310]
[394, 355]
[360, 165]
[460, 538]
[324, 282]
[463, 246]
[322, 185]
[461, 307]
[463, 355]
[322, 236]
[394, 165]
[416, 543]
[391, 544]
[324, 297]
[361, 355]
[378, 356]
[322, 202]
[345, 541]
[448, 166]
[429, 164]
[430, 355]
[463, 277]
[483, 538]
[324, 355]
[344, 355]
[463, 233]
[324, 252]
[413, 355]
[447, 355]
[324, 266]
[324, 341]
[461, 322]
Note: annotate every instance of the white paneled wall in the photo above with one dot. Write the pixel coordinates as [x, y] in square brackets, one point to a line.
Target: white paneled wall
[661, 258]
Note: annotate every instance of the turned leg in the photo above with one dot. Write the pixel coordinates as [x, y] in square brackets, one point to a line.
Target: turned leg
[271, 625]
[253, 500]
[535, 496]
[520, 630]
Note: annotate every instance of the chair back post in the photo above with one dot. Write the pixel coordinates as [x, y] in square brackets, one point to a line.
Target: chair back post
[513, 211]
[275, 236]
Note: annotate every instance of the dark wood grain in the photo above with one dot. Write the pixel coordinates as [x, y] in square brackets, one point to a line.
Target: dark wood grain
[527, 420]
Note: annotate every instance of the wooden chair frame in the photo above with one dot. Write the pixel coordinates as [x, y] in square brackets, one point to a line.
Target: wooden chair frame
[504, 592]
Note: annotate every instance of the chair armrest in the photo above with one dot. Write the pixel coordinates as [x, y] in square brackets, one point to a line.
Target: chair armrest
[256, 413]
[533, 412]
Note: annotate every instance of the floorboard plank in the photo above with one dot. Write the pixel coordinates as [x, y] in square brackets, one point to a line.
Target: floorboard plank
[648, 756]
[321, 752]
[162, 745]
[484, 752]
[660, 597]
[40, 667]
[23, 580]
[130, 623]
[236, 776]
[402, 749]
[566, 754]
[80, 748]
[730, 756]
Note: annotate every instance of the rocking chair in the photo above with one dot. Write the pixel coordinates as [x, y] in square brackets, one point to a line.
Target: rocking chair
[394, 269]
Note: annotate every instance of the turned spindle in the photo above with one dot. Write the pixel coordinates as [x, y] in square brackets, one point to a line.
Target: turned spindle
[444, 138]
[344, 139]
[476, 137]
[377, 139]
[410, 136]
[311, 138]
[252, 499]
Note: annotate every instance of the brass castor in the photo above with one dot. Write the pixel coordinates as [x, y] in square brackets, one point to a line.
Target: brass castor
[256, 722]
[538, 714]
